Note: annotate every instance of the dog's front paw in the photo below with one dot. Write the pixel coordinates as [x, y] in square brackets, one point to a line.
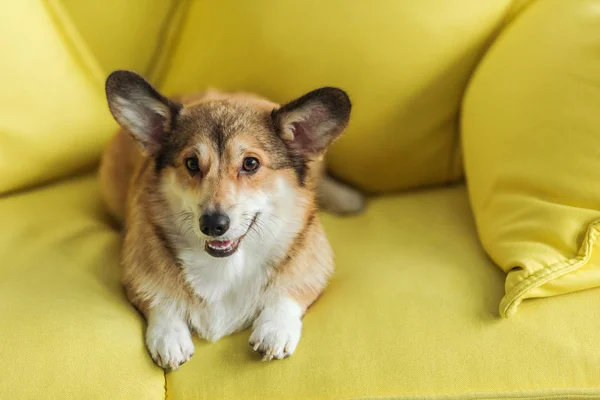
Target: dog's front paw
[276, 339]
[169, 345]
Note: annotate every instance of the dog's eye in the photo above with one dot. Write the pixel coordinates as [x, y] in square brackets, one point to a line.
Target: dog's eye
[250, 164]
[192, 165]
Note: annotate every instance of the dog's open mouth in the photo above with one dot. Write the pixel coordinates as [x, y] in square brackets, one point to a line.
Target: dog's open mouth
[225, 248]
[222, 248]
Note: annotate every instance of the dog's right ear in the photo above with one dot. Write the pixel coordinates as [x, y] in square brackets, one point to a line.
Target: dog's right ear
[140, 109]
[309, 124]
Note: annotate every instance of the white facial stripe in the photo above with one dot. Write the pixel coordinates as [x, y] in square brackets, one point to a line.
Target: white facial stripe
[202, 151]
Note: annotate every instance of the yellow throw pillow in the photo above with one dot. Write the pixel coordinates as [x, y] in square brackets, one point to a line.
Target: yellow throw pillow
[405, 65]
[531, 135]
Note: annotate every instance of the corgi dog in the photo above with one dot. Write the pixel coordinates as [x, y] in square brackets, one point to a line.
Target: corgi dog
[218, 194]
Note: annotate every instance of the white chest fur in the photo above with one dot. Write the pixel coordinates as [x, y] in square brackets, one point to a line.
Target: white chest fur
[232, 290]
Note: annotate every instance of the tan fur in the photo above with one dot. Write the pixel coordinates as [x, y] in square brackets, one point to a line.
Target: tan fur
[119, 162]
[311, 255]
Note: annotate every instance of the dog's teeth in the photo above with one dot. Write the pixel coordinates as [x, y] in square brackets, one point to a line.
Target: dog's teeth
[221, 245]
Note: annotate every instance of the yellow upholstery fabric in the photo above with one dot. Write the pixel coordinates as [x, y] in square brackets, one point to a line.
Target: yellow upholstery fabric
[66, 329]
[53, 117]
[405, 65]
[55, 57]
[131, 34]
[411, 310]
[531, 132]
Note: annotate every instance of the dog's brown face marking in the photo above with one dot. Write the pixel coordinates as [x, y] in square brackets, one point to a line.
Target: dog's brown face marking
[228, 131]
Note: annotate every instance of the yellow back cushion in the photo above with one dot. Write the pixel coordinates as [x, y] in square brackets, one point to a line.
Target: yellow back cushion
[405, 65]
[55, 56]
[132, 34]
[531, 132]
[53, 116]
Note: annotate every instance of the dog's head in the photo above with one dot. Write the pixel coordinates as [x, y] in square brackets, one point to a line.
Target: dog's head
[227, 162]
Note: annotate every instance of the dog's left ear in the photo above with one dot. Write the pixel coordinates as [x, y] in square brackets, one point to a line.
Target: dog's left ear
[312, 122]
[146, 114]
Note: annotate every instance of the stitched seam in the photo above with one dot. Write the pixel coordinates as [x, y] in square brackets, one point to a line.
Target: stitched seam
[165, 376]
[511, 300]
[574, 393]
[455, 156]
[75, 45]
[162, 39]
[162, 62]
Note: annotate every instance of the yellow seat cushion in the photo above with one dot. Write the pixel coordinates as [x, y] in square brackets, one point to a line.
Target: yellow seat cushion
[410, 311]
[405, 65]
[531, 132]
[66, 329]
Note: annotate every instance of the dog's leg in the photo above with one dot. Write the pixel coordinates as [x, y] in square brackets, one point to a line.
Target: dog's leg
[278, 328]
[154, 285]
[339, 198]
[296, 284]
[168, 338]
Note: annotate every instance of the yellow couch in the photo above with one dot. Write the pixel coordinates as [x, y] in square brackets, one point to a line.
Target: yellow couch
[412, 311]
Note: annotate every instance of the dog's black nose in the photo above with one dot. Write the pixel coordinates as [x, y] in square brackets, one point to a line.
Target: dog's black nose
[214, 224]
